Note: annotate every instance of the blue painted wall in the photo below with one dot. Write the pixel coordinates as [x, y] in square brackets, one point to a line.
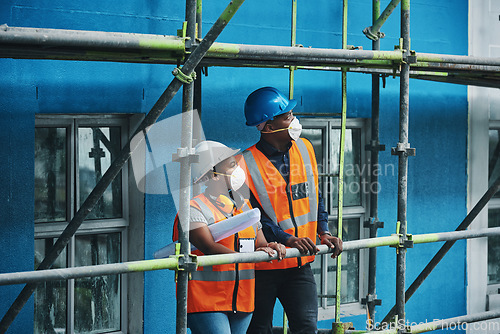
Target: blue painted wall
[438, 126]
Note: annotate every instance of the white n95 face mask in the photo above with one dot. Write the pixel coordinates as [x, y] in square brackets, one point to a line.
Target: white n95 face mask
[295, 129]
[237, 178]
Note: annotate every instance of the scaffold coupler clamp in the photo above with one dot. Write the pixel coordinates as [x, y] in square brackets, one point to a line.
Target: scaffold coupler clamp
[403, 149]
[375, 146]
[404, 329]
[189, 44]
[398, 325]
[405, 241]
[185, 153]
[341, 327]
[183, 77]
[373, 222]
[185, 262]
[371, 299]
[373, 35]
[410, 57]
[407, 56]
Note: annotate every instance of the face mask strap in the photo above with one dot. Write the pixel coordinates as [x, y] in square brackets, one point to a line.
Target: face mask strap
[284, 129]
[217, 173]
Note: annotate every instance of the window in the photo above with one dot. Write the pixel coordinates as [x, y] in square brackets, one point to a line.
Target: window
[493, 270]
[71, 155]
[324, 134]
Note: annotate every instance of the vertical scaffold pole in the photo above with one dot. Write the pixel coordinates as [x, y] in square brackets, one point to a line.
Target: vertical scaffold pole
[185, 176]
[291, 83]
[402, 151]
[293, 42]
[198, 84]
[341, 164]
[373, 223]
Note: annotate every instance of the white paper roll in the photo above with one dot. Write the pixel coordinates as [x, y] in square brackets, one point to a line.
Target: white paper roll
[220, 230]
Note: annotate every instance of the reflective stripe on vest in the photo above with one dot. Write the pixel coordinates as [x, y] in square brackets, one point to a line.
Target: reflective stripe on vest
[265, 202]
[219, 276]
[313, 203]
[205, 210]
[259, 185]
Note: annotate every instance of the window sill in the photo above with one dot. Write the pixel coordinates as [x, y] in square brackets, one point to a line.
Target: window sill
[43, 230]
[346, 310]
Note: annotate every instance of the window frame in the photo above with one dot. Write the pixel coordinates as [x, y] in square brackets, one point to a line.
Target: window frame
[360, 212]
[494, 203]
[95, 226]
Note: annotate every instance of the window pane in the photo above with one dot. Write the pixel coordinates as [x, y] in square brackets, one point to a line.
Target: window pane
[316, 137]
[350, 265]
[97, 299]
[98, 147]
[494, 154]
[50, 297]
[494, 248]
[50, 174]
[352, 166]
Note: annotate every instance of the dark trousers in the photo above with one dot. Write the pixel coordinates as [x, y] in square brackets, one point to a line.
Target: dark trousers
[296, 290]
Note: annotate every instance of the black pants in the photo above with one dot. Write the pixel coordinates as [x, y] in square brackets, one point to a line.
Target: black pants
[296, 290]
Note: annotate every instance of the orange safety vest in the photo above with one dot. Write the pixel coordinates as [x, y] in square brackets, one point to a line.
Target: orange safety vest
[292, 206]
[225, 287]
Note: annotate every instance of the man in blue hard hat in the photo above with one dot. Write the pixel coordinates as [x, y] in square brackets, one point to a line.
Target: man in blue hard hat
[282, 175]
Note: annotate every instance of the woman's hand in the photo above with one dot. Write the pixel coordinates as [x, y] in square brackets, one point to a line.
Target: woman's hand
[273, 248]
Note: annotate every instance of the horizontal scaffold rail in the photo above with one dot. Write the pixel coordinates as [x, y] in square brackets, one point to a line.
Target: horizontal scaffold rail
[61, 44]
[210, 260]
[460, 323]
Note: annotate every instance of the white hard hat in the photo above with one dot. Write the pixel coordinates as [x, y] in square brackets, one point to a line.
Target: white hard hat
[210, 154]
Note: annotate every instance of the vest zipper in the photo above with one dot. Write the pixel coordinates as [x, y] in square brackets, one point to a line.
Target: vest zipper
[237, 278]
[292, 216]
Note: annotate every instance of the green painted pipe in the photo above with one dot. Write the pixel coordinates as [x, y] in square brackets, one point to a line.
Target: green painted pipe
[340, 185]
[79, 42]
[373, 32]
[210, 260]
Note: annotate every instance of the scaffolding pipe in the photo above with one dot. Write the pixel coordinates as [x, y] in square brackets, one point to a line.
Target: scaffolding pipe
[89, 39]
[452, 73]
[454, 59]
[340, 204]
[293, 42]
[121, 159]
[185, 177]
[373, 223]
[291, 85]
[447, 246]
[173, 263]
[457, 322]
[199, 73]
[114, 44]
[402, 152]
[373, 32]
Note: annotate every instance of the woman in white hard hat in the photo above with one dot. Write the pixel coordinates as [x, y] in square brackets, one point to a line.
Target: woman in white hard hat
[221, 298]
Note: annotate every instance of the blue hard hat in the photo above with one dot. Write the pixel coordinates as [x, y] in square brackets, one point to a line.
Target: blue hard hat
[266, 103]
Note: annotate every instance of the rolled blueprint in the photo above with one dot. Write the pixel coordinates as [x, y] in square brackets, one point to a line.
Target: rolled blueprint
[220, 230]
